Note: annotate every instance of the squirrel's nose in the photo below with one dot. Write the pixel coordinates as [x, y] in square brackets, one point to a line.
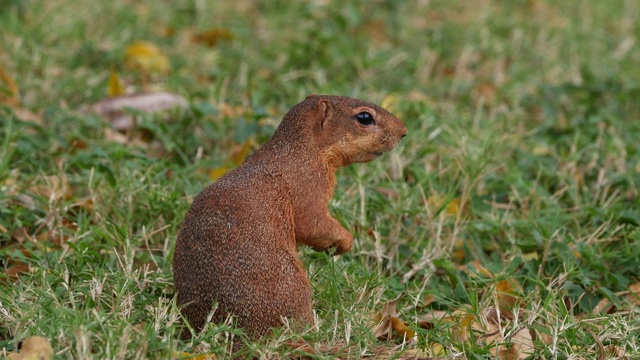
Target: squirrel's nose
[403, 131]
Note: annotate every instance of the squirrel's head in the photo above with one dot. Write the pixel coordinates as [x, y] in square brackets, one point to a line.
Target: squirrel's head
[348, 130]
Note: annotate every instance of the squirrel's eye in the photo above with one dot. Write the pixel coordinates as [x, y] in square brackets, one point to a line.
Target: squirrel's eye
[365, 118]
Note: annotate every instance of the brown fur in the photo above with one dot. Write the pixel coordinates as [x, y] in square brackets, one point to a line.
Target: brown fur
[237, 246]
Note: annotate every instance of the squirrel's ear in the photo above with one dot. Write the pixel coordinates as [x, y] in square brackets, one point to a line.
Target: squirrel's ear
[325, 110]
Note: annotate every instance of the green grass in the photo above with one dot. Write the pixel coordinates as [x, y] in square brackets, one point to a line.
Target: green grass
[526, 112]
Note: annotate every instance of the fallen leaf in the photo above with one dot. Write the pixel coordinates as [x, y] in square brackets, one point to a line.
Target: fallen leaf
[521, 345]
[33, 348]
[201, 357]
[506, 293]
[115, 109]
[484, 94]
[146, 57]
[115, 85]
[217, 173]
[240, 152]
[390, 102]
[12, 273]
[457, 253]
[402, 329]
[55, 188]
[385, 326]
[461, 322]
[517, 346]
[428, 320]
[211, 37]
[428, 299]
[9, 93]
[474, 268]
[452, 206]
[630, 296]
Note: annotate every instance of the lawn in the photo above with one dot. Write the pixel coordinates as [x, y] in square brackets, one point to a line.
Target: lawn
[506, 224]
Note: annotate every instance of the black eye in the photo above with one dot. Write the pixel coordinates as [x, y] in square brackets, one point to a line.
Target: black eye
[365, 118]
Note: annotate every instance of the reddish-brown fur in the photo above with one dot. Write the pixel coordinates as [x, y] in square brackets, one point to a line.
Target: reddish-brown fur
[237, 246]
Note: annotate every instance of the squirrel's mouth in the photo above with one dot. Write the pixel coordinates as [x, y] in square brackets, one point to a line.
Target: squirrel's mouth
[377, 153]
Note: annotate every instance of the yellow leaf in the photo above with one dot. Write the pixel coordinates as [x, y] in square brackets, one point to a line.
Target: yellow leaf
[186, 355]
[9, 93]
[146, 57]
[475, 267]
[457, 253]
[211, 37]
[390, 102]
[402, 329]
[239, 154]
[217, 173]
[452, 207]
[438, 349]
[115, 85]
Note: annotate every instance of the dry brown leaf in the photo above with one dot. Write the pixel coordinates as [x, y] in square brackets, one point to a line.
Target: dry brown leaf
[119, 138]
[506, 293]
[428, 299]
[20, 234]
[484, 93]
[615, 351]
[77, 144]
[475, 267]
[518, 346]
[388, 322]
[384, 329]
[33, 348]
[55, 188]
[457, 254]
[12, 273]
[211, 37]
[521, 345]
[462, 322]
[115, 109]
[390, 193]
[631, 296]
[428, 320]
[146, 57]
[634, 294]
[28, 115]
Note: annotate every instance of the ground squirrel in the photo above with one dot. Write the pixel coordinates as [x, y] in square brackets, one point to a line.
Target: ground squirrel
[237, 246]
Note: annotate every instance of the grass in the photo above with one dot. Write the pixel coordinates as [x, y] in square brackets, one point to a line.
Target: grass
[522, 156]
